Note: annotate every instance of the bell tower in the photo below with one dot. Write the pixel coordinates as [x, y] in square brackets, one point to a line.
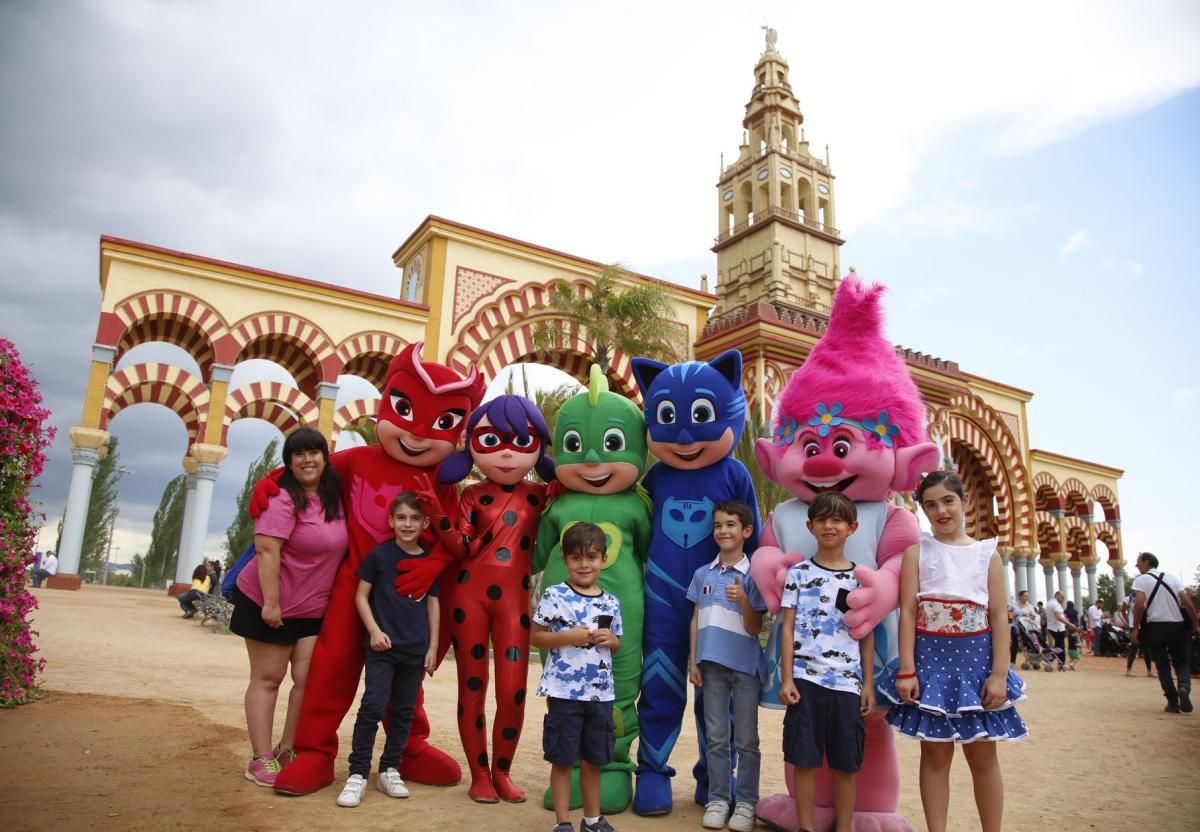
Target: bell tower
[776, 237]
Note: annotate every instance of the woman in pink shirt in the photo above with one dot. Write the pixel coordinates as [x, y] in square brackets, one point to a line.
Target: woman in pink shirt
[282, 593]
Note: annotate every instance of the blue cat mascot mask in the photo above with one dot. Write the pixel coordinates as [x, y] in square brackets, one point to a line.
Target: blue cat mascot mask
[695, 414]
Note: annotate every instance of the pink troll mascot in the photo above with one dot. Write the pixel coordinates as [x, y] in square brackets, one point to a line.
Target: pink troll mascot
[849, 420]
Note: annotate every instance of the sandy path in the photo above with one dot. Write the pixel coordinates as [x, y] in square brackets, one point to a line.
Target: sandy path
[175, 731]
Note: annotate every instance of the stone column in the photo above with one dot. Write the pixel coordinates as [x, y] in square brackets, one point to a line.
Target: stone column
[183, 573]
[1031, 564]
[1061, 567]
[1019, 571]
[1091, 579]
[1075, 587]
[1048, 569]
[214, 412]
[87, 446]
[207, 459]
[326, 399]
[1119, 580]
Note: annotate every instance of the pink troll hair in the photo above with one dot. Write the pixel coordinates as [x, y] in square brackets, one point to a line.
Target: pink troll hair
[855, 365]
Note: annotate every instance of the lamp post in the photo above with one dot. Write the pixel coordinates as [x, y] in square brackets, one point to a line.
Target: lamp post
[121, 471]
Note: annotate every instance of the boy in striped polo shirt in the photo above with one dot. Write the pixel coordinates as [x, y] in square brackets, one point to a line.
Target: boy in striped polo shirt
[727, 661]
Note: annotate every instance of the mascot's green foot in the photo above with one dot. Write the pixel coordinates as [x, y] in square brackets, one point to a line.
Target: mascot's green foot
[616, 790]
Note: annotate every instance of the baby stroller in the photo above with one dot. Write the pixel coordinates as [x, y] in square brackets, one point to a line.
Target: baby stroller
[1113, 641]
[1037, 655]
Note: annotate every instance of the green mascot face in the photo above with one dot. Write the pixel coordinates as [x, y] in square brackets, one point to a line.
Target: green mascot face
[600, 440]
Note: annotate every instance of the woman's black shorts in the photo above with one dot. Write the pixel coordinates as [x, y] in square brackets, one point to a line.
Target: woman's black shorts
[247, 622]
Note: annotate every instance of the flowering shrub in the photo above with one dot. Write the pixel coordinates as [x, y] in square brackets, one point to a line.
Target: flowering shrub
[23, 440]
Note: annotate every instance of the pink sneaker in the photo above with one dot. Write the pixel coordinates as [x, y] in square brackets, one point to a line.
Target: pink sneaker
[263, 771]
[283, 756]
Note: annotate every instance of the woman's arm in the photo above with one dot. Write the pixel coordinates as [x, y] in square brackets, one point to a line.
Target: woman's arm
[268, 549]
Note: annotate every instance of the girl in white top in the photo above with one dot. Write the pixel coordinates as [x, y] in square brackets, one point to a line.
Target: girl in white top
[954, 685]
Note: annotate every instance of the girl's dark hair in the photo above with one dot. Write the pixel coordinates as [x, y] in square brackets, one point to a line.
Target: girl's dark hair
[833, 504]
[947, 479]
[509, 414]
[328, 489]
[200, 573]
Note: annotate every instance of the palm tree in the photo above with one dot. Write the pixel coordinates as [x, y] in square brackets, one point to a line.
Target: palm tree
[365, 427]
[635, 320]
[769, 493]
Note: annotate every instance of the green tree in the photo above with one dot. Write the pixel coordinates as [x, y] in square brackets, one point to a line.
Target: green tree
[769, 493]
[1106, 592]
[240, 533]
[102, 511]
[365, 427]
[550, 402]
[636, 320]
[159, 561]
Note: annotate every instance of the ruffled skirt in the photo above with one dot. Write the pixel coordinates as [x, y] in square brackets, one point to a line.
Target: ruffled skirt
[952, 671]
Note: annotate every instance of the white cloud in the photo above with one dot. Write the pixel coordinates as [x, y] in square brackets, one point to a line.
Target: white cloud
[1074, 243]
[1134, 267]
[1184, 394]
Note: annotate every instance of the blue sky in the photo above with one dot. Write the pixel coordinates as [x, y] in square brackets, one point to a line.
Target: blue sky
[1024, 180]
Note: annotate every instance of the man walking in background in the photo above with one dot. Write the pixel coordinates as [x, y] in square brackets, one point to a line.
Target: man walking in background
[1164, 618]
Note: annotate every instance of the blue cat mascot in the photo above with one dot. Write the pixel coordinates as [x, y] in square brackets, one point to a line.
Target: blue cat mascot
[695, 412]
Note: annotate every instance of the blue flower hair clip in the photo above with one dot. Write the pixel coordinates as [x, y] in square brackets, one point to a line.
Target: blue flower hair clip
[785, 433]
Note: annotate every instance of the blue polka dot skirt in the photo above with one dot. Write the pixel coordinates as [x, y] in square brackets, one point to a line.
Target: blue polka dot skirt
[952, 671]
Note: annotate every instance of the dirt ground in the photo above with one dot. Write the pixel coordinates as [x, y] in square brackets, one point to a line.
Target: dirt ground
[142, 728]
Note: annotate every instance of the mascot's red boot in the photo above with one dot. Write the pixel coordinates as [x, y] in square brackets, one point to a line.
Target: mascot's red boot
[420, 420]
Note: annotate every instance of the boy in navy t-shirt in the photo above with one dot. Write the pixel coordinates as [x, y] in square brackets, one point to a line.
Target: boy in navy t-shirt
[403, 639]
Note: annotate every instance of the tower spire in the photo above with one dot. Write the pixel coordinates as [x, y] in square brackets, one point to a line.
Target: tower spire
[776, 239]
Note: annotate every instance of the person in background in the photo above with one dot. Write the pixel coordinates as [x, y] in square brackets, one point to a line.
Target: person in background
[1095, 617]
[45, 569]
[201, 583]
[1160, 622]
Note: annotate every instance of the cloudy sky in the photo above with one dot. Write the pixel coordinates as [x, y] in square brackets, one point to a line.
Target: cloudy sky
[1024, 178]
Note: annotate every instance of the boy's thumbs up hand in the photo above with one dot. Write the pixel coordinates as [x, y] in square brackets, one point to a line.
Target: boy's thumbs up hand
[734, 591]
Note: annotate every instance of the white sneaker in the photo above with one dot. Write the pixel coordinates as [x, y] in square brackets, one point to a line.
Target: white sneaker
[392, 784]
[715, 814]
[743, 818]
[353, 791]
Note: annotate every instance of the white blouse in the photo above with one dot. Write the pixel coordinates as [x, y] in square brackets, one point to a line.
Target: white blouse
[955, 573]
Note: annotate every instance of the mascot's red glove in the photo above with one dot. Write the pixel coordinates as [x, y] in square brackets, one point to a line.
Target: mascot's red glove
[264, 490]
[416, 575]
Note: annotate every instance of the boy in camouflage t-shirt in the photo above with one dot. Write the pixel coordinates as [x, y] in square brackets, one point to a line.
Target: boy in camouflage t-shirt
[580, 624]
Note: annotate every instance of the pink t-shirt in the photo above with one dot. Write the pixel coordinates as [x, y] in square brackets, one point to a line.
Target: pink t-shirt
[308, 561]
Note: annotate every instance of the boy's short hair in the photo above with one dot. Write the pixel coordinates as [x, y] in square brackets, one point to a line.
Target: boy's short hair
[408, 499]
[833, 504]
[738, 509]
[582, 537]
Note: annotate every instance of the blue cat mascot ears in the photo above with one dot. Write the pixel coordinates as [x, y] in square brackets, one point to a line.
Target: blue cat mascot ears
[694, 401]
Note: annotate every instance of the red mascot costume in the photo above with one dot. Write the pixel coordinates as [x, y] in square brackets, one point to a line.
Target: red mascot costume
[420, 419]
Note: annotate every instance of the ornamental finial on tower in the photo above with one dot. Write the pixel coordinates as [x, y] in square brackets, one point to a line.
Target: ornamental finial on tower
[772, 38]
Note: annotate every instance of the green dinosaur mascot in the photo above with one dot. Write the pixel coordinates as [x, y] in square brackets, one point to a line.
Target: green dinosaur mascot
[600, 439]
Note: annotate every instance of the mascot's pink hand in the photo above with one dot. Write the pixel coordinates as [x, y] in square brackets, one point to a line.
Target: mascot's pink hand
[264, 490]
[769, 567]
[877, 595]
[416, 575]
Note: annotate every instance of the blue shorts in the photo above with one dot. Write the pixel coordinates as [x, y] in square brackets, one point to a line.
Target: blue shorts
[824, 724]
[577, 730]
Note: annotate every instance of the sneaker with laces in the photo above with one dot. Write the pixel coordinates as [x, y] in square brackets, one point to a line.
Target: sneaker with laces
[601, 825]
[716, 813]
[743, 818]
[353, 791]
[283, 755]
[263, 771]
[565, 826]
[391, 783]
